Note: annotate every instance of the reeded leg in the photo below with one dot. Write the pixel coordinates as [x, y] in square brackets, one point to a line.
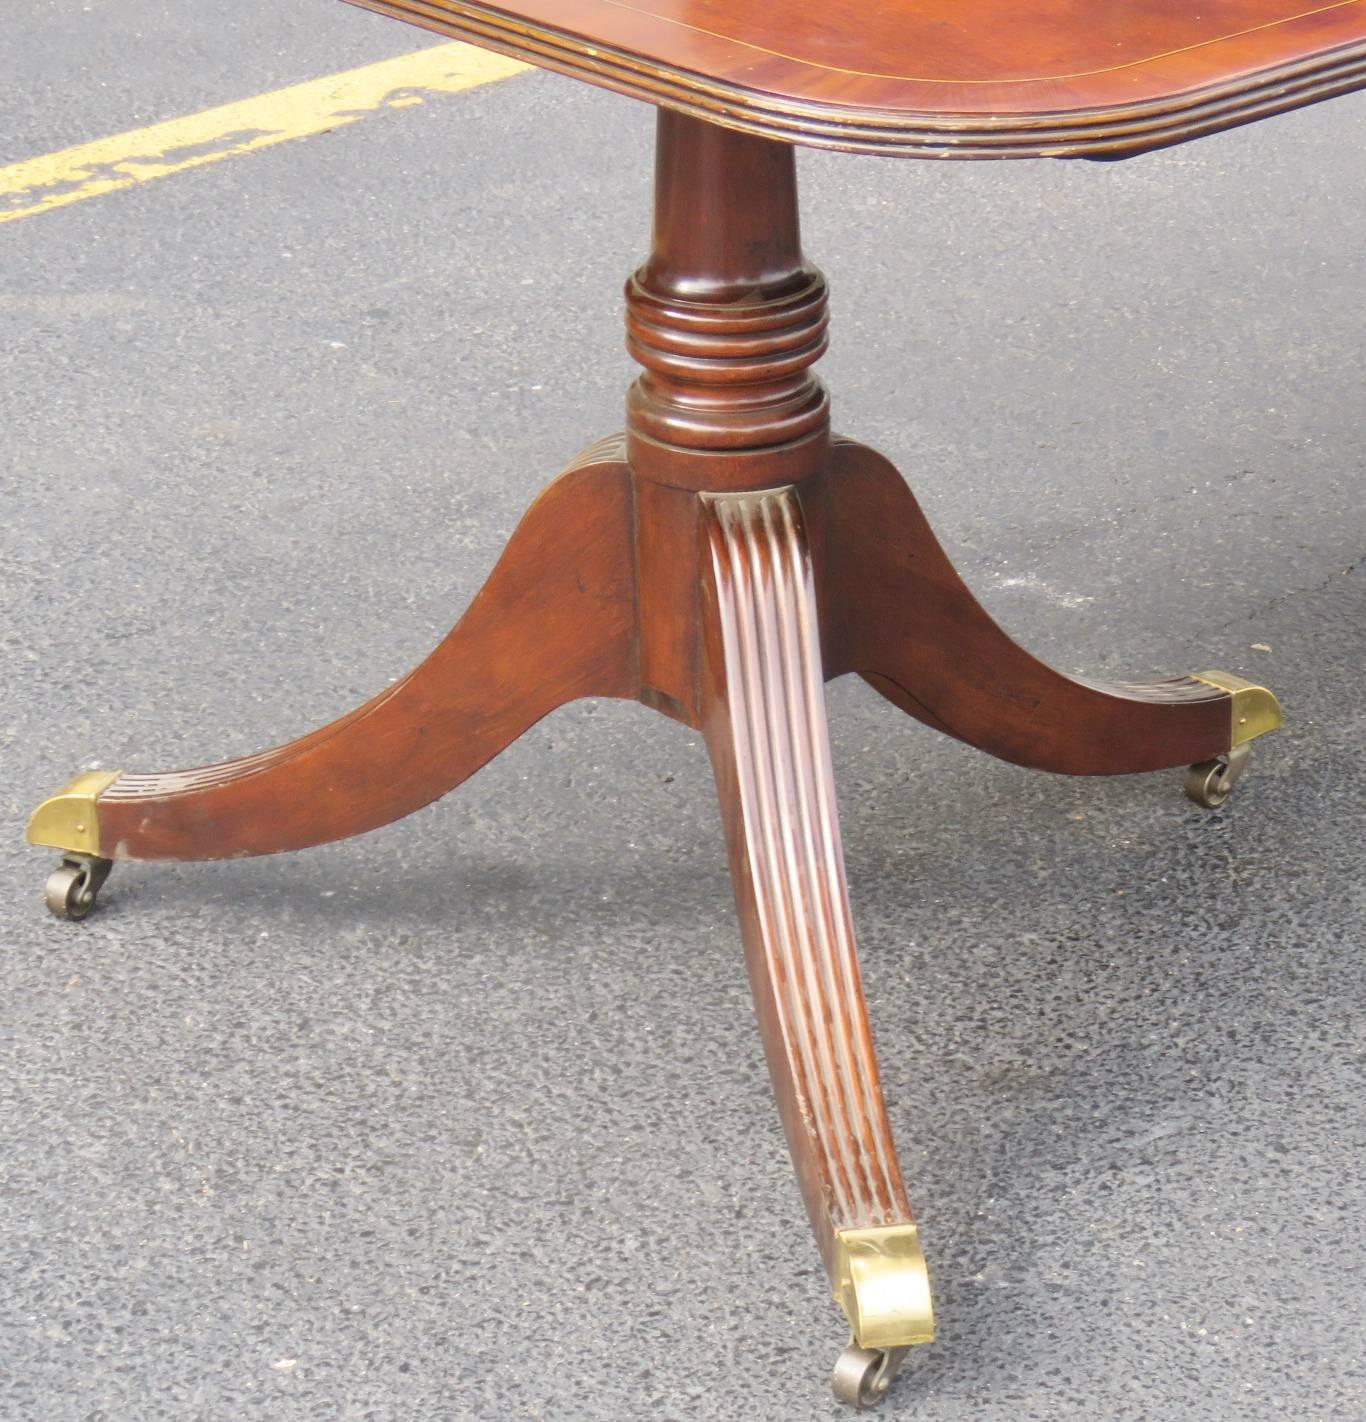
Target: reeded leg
[764, 717]
[898, 613]
[555, 621]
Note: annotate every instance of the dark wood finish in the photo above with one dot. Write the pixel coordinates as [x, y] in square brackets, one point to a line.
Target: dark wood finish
[897, 612]
[763, 711]
[724, 609]
[716, 563]
[555, 621]
[726, 317]
[938, 78]
[624, 580]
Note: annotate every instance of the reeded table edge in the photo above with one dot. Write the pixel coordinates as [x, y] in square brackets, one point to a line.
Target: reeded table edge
[1107, 132]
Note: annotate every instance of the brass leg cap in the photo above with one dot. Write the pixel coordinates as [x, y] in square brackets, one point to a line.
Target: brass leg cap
[69, 820]
[882, 1285]
[1253, 710]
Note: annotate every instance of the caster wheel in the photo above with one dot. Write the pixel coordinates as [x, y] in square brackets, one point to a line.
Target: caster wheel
[1211, 781]
[74, 885]
[863, 1375]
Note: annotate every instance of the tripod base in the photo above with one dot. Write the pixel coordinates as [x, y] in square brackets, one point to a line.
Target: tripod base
[726, 611]
[718, 564]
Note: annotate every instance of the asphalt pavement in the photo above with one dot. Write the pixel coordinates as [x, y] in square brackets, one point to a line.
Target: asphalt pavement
[467, 1119]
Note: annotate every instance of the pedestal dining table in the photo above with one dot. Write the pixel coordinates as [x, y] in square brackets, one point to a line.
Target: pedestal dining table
[727, 554]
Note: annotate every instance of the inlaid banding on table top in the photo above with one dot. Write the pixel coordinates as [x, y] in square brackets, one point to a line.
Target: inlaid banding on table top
[923, 11]
[1187, 71]
[766, 611]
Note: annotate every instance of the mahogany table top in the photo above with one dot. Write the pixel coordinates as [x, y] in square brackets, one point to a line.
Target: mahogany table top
[939, 78]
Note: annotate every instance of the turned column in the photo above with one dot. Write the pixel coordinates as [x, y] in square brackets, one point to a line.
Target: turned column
[726, 317]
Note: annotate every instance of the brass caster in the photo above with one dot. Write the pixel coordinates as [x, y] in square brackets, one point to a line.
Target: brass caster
[1211, 781]
[863, 1375]
[74, 885]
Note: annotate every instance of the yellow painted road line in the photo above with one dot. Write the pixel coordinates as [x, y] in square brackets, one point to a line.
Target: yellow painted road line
[39, 184]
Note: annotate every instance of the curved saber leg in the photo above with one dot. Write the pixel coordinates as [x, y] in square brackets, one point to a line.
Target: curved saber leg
[764, 717]
[554, 621]
[899, 614]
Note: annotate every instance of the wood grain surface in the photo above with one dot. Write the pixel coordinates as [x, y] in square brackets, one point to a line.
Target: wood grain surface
[555, 621]
[717, 563]
[896, 611]
[764, 718]
[938, 78]
[597, 594]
